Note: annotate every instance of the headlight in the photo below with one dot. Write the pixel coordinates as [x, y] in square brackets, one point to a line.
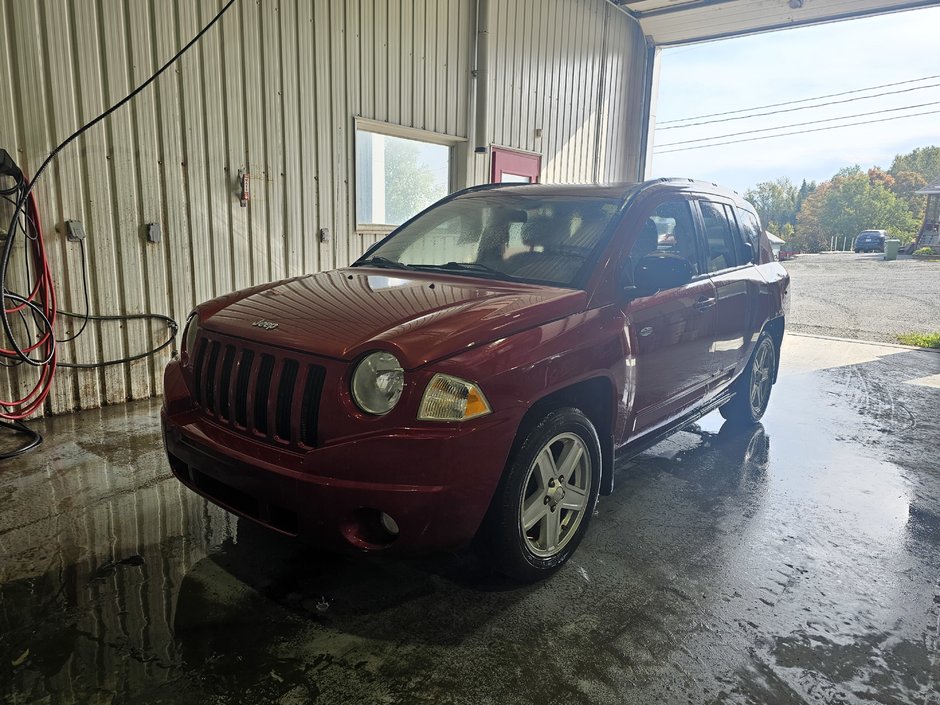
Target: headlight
[377, 383]
[190, 331]
[452, 399]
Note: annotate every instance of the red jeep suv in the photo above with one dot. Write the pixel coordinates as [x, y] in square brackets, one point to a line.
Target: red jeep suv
[476, 371]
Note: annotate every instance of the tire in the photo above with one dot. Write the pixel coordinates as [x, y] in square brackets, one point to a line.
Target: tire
[752, 388]
[537, 519]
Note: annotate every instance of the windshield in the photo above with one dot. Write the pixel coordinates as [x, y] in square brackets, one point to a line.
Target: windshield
[544, 239]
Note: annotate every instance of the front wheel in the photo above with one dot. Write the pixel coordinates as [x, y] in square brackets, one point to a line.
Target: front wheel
[752, 388]
[546, 497]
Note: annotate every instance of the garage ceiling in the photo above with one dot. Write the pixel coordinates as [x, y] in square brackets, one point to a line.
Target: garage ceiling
[668, 22]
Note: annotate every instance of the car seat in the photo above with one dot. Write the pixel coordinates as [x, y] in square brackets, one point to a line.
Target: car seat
[549, 262]
[646, 242]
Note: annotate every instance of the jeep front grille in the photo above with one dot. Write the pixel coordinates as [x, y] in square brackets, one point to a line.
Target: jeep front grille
[270, 395]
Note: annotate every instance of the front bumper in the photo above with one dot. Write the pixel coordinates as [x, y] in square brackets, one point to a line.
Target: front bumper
[435, 483]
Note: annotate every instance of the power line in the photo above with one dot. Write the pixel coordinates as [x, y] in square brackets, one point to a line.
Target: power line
[802, 107]
[799, 132]
[799, 124]
[801, 100]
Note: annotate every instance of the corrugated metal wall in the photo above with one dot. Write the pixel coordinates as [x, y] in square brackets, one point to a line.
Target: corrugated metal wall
[275, 90]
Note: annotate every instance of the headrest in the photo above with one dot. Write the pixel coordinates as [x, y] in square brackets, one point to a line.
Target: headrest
[649, 236]
[543, 230]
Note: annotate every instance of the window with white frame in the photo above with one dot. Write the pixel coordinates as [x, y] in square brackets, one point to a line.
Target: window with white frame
[398, 174]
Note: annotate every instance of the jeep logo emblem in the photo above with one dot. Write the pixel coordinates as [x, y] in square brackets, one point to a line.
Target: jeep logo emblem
[266, 325]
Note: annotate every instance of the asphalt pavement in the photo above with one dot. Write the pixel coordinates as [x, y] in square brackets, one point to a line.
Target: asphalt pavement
[863, 297]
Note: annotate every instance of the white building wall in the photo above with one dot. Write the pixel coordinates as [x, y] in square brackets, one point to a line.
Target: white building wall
[275, 89]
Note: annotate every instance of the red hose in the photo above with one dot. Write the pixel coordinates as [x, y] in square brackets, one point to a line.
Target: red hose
[42, 294]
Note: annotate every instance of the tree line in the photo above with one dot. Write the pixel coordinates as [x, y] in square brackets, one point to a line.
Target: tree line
[810, 215]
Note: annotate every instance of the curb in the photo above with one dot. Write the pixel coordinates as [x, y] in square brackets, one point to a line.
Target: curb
[863, 342]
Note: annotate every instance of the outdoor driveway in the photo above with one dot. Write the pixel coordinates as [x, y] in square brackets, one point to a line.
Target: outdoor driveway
[862, 296]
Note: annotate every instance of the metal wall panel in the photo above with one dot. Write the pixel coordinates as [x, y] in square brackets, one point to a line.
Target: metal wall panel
[274, 90]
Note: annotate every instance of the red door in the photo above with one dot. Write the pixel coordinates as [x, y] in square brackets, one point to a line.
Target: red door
[515, 167]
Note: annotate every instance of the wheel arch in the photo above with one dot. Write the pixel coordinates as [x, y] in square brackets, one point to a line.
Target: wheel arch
[594, 397]
[774, 328]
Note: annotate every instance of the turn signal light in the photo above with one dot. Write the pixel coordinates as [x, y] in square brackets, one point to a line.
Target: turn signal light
[452, 399]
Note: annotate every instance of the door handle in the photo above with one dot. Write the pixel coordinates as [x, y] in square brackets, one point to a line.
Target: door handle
[703, 303]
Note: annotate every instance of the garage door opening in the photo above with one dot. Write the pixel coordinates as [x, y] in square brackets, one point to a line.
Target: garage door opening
[830, 131]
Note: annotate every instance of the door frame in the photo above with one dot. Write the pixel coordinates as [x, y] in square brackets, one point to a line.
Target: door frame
[514, 161]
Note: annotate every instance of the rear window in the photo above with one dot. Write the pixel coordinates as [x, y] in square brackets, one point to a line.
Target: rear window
[750, 231]
[720, 230]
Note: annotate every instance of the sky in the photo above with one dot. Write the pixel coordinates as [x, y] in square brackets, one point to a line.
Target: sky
[790, 65]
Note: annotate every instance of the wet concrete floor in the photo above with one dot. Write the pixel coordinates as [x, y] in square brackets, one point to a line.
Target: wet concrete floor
[798, 562]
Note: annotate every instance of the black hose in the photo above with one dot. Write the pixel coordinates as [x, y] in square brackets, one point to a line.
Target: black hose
[20, 427]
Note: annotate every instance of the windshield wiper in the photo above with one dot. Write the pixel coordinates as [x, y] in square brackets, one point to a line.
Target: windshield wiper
[383, 262]
[476, 267]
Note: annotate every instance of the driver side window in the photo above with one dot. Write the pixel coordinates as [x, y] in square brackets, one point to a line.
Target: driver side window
[669, 229]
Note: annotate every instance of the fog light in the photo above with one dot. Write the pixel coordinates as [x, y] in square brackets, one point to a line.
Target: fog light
[389, 524]
[369, 529]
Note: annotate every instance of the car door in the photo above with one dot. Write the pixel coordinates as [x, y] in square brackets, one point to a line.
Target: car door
[670, 333]
[730, 265]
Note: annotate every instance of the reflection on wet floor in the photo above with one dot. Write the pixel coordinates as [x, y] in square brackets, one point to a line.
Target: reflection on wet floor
[797, 561]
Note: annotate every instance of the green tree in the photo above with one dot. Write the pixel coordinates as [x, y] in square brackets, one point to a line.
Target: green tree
[811, 235]
[923, 160]
[905, 185]
[851, 202]
[806, 188]
[409, 186]
[775, 201]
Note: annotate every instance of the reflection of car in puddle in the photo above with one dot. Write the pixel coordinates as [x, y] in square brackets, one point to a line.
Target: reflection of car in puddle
[732, 461]
[746, 447]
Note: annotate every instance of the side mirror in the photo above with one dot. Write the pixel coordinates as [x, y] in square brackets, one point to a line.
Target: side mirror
[661, 271]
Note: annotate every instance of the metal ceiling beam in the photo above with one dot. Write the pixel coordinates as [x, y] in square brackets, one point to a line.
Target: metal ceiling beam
[662, 24]
[677, 7]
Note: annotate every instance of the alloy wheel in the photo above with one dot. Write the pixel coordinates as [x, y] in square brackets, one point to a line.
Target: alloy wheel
[761, 378]
[555, 494]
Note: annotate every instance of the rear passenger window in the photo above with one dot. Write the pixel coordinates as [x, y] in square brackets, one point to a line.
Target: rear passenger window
[750, 233]
[720, 229]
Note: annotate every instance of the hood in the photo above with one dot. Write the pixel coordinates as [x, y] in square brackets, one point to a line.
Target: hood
[420, 317]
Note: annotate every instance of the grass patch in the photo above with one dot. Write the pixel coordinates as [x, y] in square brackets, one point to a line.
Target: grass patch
[921, 340]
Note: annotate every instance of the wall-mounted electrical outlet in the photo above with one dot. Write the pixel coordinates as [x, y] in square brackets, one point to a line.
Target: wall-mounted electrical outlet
[74, 230]
[153, 232]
